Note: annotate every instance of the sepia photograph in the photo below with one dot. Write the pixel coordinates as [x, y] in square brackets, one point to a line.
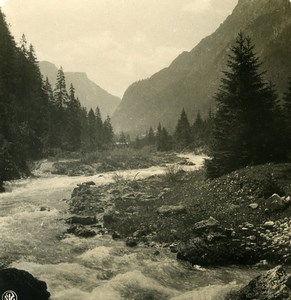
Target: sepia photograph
[145, 149]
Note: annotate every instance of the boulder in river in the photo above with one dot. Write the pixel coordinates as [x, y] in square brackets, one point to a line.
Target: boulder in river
[272, 285]
[23, 284]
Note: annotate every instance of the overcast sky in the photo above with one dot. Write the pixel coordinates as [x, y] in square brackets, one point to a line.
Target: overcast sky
[116, 42]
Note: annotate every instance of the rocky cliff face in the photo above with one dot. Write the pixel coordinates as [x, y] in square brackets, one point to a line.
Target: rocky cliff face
[193, 78]
[89, 93]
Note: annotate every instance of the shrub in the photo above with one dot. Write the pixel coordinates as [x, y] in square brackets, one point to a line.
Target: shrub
[173, 173]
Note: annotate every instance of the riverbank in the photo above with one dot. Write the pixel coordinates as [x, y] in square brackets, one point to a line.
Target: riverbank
[96, 258]
[89, 164]
[124, 158]
[230, 220]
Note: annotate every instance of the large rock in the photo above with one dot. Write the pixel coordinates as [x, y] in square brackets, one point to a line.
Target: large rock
[206, 225]
[276, 203]
[269, 286]
[23, 284]
[169, 210]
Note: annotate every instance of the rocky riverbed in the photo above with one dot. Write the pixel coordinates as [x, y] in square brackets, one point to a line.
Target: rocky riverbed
[138, 212]
[144, 224]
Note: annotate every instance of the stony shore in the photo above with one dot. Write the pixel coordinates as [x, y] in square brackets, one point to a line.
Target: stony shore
[241, 219]
[142, 212]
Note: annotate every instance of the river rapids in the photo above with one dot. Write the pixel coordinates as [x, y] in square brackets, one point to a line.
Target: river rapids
[96, 268]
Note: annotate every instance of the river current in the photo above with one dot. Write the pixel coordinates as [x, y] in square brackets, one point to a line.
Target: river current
[96, 268]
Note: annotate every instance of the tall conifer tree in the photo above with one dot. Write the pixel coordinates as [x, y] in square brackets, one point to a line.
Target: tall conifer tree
[99, 128]
[107, 131]
[183, 131]
[244, 127]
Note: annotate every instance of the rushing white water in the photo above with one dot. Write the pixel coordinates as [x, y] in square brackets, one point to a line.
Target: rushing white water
[96, 268]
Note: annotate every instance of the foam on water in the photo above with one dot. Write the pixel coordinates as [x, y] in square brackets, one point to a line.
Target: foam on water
[74, 281]
[211, 292]
[133, 285]
[96, 268]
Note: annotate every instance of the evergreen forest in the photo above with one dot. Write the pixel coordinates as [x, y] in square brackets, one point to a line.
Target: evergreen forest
[249, 124]
[36, 119]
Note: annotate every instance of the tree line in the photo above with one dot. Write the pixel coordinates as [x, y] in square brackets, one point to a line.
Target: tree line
[250, 125]
[185, 137]
[36, 119]
[71, 126]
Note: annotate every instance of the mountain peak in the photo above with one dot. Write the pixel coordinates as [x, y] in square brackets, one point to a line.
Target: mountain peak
[193, 77]
[90, 94]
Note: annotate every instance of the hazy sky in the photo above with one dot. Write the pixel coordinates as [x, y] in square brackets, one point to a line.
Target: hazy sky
[116, 42]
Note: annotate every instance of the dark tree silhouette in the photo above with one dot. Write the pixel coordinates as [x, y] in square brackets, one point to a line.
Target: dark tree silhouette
[183, 131]
[245, 122]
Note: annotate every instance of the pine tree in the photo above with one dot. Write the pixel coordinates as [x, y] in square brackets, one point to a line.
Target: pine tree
[60, 92]
[208, 131]
[73, 121]
[183, 131]
[163, 139]
[244, 126]
[85, 140]
[159, 137]
[151, 137]
[122, 138]
[92, 130]
[107, 131]
[48, 92]
[198, 131]
[23, 105]
[23, 45]
[99, 127]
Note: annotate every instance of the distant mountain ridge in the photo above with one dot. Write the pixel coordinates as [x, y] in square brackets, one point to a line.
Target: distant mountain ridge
[193, 77]
[90, 94]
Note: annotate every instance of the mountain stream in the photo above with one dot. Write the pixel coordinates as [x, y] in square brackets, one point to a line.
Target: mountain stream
[96, 268]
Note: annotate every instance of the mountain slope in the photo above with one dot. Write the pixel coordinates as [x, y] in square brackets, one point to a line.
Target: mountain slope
[193, 77]
[89, 93]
